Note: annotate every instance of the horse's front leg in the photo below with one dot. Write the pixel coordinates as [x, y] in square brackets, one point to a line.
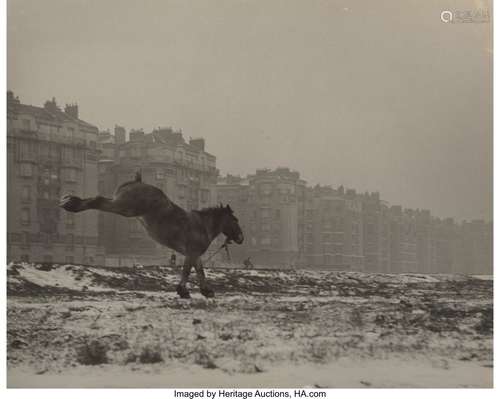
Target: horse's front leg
[182, 290]
[205, 288]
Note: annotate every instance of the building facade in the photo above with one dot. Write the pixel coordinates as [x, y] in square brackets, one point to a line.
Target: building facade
[50, 152]
[475, 248]
[270, 206]
[334, 229]
[287, 223]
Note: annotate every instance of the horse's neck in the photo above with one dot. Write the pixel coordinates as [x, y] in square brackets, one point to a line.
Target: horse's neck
[212, 223]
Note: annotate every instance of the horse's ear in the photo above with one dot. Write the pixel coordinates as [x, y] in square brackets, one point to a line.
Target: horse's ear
[229, 208]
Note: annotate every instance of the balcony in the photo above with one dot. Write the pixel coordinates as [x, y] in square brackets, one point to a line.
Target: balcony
[52, 137]
[27, 156]
[182, 181]
[72, 163]
[27, 133]
[49, 158]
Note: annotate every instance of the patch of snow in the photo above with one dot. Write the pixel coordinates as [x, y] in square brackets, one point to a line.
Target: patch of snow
[483, 276]
[58, 277]
[104, 272]
[416, 278]
[344, 373]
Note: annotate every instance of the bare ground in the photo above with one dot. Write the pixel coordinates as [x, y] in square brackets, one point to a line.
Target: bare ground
[80, 326]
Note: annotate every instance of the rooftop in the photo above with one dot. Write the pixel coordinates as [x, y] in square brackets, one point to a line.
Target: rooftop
[50, 112]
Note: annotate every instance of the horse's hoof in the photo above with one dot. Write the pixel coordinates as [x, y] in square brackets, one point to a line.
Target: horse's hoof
[183, 292]
[207, 292]
[70, 203]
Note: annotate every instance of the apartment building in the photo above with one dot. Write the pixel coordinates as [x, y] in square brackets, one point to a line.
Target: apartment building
[50, 152]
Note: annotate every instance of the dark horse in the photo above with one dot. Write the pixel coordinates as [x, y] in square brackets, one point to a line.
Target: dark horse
[189, 233]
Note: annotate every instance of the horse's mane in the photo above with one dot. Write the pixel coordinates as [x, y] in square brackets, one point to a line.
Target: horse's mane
[217, 210]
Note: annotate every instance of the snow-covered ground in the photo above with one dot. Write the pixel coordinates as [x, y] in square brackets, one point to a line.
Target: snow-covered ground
[87, 326]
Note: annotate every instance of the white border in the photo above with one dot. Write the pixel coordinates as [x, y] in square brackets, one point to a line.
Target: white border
[168, 393]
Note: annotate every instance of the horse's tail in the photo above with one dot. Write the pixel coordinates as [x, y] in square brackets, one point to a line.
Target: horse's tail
[138, 176]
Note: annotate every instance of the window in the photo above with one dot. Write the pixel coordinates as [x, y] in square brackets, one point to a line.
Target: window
[47, 258]
[26, 124]
[70, 259]
[44, 150]
[67, 154]
[69, 175]
[205, 194]
[265, 241]
[26, 193]
[26, 169]
[25, 258]
[70, 220]
[77, 156]
[266, 189]
[370, 229]
[135, 152]
[27, 150]
[54, 152]
[160, 175]
[25, 216]
[264, 212]
[134, 226]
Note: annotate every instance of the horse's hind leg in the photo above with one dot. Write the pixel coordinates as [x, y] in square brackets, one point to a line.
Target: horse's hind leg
[186, 271]
[205, 288]
[72, 203]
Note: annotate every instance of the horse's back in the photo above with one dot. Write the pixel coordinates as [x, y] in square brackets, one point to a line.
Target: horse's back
[141, 197]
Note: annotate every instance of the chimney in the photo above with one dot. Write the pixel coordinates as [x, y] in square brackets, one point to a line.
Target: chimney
[136, 135]
[120, 135]
[11, 99]
[199, 143]
[51, 105]
[71, 110]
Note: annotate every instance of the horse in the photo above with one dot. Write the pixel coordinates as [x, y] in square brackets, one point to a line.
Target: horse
[189, 233]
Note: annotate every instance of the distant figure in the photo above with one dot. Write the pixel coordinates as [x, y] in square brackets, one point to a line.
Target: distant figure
[186, 232]
[173, 260]
[248, 263]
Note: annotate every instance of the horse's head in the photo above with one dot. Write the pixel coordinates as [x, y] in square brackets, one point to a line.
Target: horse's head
[230, 225]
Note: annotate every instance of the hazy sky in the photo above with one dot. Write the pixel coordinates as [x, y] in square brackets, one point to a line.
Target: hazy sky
[374, 95]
